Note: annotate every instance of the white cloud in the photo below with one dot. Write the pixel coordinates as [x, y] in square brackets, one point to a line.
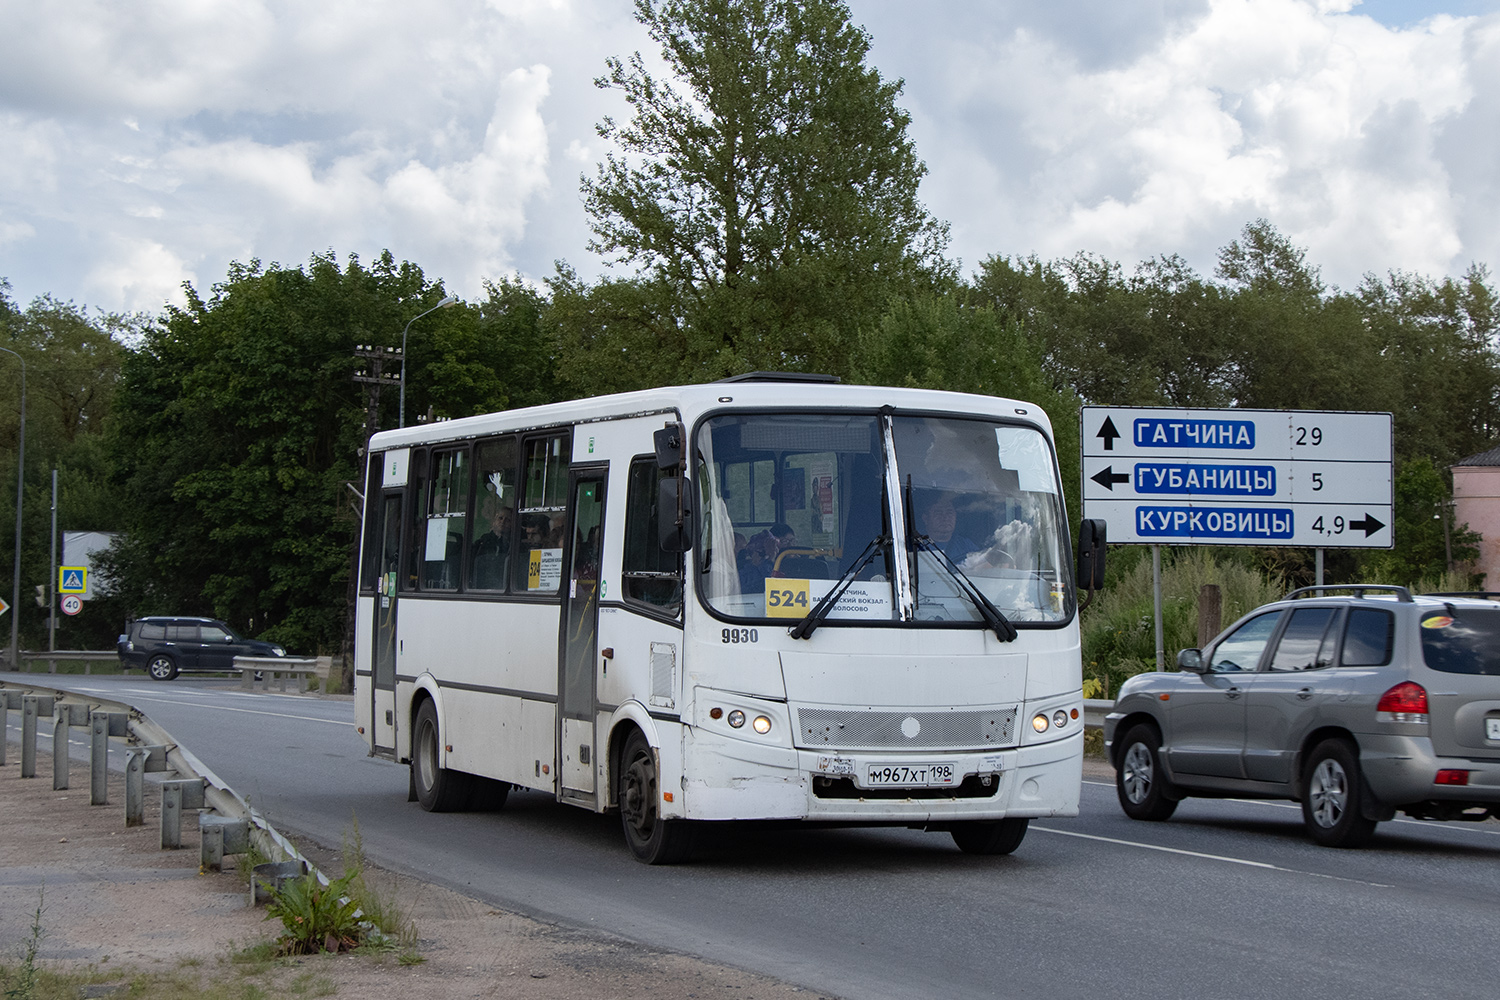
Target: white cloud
[154, 143]
[1325, 122]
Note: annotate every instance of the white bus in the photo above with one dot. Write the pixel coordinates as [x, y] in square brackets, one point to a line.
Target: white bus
[768, 598]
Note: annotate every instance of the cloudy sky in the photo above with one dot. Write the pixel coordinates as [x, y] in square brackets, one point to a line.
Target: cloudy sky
[150, 143]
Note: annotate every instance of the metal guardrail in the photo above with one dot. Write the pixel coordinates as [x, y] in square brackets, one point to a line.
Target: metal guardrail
[148, 739]
[55, 656]
[1094, 711]
[263, 669]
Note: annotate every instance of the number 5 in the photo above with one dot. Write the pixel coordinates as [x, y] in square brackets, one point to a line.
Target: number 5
[1317, 478]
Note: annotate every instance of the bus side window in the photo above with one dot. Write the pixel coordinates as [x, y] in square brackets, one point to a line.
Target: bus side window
[369, 572]
[651, 575]
[494, 521]
[443, 534]
[416, 519]
[542, 515]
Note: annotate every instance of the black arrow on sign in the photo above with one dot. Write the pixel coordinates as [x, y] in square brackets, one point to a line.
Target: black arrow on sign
[1108, 433]
[1107, 478]
[1369, 525]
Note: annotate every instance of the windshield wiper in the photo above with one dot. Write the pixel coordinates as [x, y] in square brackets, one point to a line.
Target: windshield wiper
[1004, 630]
[809, 624]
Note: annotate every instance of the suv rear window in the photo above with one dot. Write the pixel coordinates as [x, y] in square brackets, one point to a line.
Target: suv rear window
[152, 630]
[1464, 642]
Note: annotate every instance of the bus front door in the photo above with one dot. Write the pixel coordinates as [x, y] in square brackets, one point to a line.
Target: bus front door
[383, 690]
[579, 643]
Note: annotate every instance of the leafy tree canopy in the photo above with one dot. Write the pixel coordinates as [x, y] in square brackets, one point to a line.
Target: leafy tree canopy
[768, 192]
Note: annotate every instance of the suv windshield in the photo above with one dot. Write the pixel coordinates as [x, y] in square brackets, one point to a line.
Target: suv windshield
[1462, 641]
[791, 501]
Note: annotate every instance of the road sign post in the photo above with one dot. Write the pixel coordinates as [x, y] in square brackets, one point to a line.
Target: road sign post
[1316, 479]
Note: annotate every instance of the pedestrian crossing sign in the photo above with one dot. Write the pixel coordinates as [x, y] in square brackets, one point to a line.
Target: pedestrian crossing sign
[72, 579]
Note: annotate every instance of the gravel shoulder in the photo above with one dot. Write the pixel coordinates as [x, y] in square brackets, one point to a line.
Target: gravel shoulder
[116, 904]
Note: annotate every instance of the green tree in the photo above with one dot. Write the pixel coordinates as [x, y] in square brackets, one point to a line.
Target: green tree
[239, 426]
[73, 361]
[767, 192]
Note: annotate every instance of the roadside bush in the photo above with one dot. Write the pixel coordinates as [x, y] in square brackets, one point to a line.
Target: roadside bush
[1118, 633]
[317, 917]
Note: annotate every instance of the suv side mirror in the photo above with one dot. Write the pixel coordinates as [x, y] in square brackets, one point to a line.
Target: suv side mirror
[674, 514]
[1191, 660]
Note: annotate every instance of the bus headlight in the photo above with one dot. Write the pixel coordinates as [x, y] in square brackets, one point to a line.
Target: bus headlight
[1040, 723]
[761, 725]
[736, 719]
[1059, 718]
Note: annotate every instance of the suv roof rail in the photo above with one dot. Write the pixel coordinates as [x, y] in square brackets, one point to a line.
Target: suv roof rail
[782, 377]
[1465, 593]
[1402, 594]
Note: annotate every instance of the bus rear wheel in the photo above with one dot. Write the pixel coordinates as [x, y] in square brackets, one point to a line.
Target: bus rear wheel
[651, 839]
[438, 788]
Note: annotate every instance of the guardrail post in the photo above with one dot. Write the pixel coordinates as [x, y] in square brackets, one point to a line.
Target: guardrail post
[33, 706]
[8, 701]
[28, 736]
[135, 786]
[269, 878]
[183, 793]
[220, 835]
[99, 759]
[60, 752]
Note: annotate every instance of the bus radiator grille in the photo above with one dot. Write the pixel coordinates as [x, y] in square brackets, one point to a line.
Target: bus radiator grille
[861, 730]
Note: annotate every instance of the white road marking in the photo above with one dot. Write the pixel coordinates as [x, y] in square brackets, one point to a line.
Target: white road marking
[1208, 857]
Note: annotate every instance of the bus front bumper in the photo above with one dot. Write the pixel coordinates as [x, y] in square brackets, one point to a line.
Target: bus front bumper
[731, 779]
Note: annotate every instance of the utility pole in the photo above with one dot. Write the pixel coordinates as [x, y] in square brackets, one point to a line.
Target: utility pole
[373, 376]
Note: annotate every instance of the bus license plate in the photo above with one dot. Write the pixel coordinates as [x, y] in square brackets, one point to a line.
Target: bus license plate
[910, 775]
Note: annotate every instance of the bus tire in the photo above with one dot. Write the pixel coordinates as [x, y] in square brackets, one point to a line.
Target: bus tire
[983, 837]
[653, 840]
[438, 788]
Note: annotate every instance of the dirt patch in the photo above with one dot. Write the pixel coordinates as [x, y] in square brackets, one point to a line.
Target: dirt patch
[115, 903]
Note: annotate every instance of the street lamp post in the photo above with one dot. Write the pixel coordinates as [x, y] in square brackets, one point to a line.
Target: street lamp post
[447, 301]
[15, 579]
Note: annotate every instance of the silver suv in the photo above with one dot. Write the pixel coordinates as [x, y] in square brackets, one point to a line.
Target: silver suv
[1356, 706]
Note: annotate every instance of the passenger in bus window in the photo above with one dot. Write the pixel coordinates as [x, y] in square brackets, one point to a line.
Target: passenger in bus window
[758, 560]
[491, 553]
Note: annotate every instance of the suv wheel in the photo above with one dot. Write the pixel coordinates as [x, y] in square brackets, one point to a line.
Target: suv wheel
[1144, 791]
[161, 667]
[1332, 793]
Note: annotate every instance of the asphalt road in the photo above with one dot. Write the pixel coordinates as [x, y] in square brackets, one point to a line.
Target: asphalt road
[1228, 899]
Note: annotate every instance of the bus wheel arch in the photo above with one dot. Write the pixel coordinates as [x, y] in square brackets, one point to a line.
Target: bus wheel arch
[652, 839]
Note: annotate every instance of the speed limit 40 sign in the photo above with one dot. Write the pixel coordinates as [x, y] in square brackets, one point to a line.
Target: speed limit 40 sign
[71, 604]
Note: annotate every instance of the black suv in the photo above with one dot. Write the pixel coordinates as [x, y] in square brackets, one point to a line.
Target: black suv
[165, 646]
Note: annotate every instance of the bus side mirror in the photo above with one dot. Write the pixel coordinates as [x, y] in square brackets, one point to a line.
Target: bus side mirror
[674, 514]
[1091, 542]
[668, 442]
[1090, 572]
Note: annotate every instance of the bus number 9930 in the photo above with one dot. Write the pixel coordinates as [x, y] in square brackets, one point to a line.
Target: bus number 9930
[741, 635]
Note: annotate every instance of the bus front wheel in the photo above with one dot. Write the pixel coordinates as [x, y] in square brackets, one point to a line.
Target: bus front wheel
[438, 788]
[981, 837]
[653, 840]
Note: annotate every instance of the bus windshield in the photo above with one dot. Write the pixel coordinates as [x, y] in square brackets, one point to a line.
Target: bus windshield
[791, 502]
